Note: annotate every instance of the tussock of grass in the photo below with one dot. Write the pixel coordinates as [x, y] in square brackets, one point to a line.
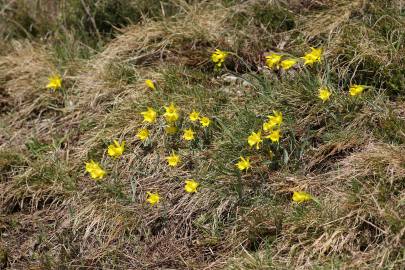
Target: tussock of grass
[347, 152]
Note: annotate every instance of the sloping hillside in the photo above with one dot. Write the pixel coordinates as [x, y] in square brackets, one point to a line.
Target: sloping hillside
[300, 165]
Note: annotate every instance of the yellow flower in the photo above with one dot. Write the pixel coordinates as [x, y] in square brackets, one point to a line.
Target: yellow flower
[188, 134]
[149, 115]
[95, 170]
[150, 84]
[356, 89]
[324, 94]
[171, 113]
[55, 82]
[243, 164]
[116, 149]
[191, 186]
[152, 198]
[313, 57]
[218, 57]
[142, 134]
[273, 60]
[269, 125]
[301, 196]
[255, 139]
[170, 129]
[194, 116]
[173, 159]
[274, 136]
[274, 120]
[205, 121]
[288, 63]
[277, 117]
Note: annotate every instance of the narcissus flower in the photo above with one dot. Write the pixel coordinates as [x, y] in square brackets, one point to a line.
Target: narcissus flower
[191, 186]
[273, 60]
[313, 57]
[95, 170]
[152, 198]
[218, 57]
[171, 113]
[269, 125]
[243, 163]
[194, 116]
[275, 120]
[301, 196]
[205, 121]
[356, 89]
[149, 116]
[116, 149]
[255, 139]
[142, 134]
[288, 63]
[150, 84]
[188, 134]
[171, 129]
[173, 160]
[324, 94]
[54, 82]
[277, 117]
[274, 136]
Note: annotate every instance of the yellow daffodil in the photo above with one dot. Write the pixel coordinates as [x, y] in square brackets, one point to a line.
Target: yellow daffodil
[191, 186]
[116, 149]
[149, 116]
[171, 129]
[218, 57]
[54, 82]
[313, 57]
[275, 120]
[171, 113]
[188, 134]
[205, 121]
[277, 117]
[273, 60]
[142, 134]
[194, 116]
[243, 164]
[269, 125]
[255, 139]
[173, 160]
[95, 170]
[152, 198]
[356, 89]
[274, 136]
[301, 196]
[288, 63]
[324, 94]
[150, 84]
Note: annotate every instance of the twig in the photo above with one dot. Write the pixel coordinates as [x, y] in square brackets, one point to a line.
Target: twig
[93, 22]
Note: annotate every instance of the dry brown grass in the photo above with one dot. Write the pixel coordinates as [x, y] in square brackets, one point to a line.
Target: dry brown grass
[53, 216]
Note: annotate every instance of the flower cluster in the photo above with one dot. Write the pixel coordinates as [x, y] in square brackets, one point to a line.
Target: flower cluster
[276, 61]
[270, 130]
[95, 170]
[171, 118]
